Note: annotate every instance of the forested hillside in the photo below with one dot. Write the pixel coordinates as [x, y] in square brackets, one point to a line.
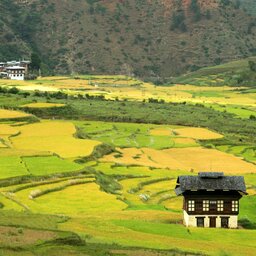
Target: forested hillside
[145, 38]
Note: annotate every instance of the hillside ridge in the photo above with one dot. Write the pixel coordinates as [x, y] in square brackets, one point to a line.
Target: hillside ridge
[142, 38]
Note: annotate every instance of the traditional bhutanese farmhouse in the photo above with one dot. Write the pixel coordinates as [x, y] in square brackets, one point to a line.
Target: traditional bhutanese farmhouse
[211, 199]
[15, 72]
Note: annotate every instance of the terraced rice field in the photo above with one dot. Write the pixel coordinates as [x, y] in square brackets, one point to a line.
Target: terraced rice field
[244, 151]
[12, 166]
[125, 197]
[143, 135]
[129, 88]
[196, 159]
[73, 200]
[55, 137]
[43, 105]
[49, 165]
[12, 114]
[197, 133]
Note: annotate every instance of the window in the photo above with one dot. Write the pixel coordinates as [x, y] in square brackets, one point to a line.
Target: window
[200, 221]
[205, 205]
[220, 205]
[234, 206]
[191, 205]
[213, 206]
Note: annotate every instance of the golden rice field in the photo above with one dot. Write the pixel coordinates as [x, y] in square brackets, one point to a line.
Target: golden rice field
[12, 114]
[184, 142]
[54, 137]
[197, 159]
[6, 129]
[128, 88]
[198, 133]
[73, 201]
[43, 105]
[2, 145]
[163, 131]
[186, 132]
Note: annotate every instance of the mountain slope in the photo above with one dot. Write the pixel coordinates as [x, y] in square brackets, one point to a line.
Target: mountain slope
[236, 73]
[146, 38]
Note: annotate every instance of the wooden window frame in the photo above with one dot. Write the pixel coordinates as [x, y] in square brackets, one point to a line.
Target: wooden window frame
[220, 205]
[235, 206]
[206, 205]
[191, 205]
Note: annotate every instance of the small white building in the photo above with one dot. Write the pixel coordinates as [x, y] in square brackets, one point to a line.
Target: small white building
[16, 72]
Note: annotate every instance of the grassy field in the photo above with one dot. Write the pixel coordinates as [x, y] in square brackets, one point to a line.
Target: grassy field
[101, 182]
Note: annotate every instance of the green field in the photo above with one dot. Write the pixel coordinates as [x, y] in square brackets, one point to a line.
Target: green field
[12, 167]
[96, 176]
[46, 165]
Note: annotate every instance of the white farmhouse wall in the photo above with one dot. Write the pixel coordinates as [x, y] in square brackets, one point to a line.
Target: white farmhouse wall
[233, 221]
[19, 77]
[191, 220]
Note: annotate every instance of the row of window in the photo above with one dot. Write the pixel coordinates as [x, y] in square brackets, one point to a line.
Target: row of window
[17, 75]
[212, 205]
[17, 71]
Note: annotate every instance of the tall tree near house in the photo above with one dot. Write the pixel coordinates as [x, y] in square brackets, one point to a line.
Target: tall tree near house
[35, 62]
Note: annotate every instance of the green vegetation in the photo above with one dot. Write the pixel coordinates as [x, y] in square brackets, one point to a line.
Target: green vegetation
[236, 73]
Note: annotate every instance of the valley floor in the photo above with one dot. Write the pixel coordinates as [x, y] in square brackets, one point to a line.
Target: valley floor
[84, 186]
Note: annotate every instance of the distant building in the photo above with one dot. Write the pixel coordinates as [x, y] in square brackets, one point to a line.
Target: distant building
[14, 70]
[2, 66]
[15, 73]
[211, 199]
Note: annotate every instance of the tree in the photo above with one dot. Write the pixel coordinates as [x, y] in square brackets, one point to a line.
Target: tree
[35, 62]
[252, 65]
[252, 117]
[195, 8]
[178, 21]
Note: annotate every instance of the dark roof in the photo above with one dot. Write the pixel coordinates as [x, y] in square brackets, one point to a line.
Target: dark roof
[210, 181]
[212, 175]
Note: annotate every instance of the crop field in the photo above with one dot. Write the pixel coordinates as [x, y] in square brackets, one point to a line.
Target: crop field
[43, 105]
[196, 159]
[197, 133]
[84, 186]
[49, 165]
[244, 151]
[144, 135]
[54, 137]
[12, 166]
[237, 100]
[11, 114]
